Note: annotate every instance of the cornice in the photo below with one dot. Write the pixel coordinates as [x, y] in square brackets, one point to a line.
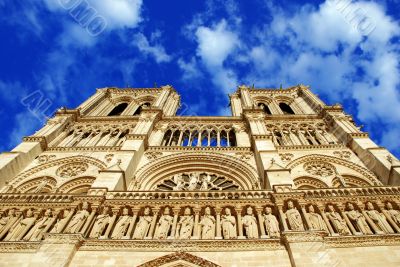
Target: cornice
[92, 148]
[26, 247]
[310, 147]
[362, 241]
[182, 245]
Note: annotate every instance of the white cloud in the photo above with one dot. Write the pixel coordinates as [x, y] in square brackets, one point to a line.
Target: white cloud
[157, 51]
[191, 71]
[215, 44]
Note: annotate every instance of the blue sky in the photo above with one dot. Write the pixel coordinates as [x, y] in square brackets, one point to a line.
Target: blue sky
[347, 51]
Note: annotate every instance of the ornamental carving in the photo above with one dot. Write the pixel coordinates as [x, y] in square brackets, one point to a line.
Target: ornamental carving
[342, 154]
[196, 181]
[319, 168]
[45, 158]
[72, 170]
[152, 155]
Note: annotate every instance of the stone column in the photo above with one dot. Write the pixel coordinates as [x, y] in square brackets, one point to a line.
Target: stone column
[218, 211]
[326, 220]
[344, 215]
[85, 230]
[153, 224]
[371, 223]
[135, 212]
[239, 222]
[388, 217]
[196, 230]
[283, 218]
[110, 224]
[303, 210]
[174, 223]
[261, 222]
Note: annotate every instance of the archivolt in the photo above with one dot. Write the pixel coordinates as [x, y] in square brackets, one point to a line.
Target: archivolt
[366, 174]
[165, 167]
[78, 159]
[77, 185]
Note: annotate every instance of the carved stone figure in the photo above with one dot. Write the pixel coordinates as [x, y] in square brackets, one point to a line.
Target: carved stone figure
[61, 222]
[250, 224]
[228, 223]
[378, 218]
[37, 231]
[394, 214]
[294, 218]
[337, 221]
[78, 220]
[164, 225]
[100, 224]
[207, 225]
[316, 221]
[193, 180]
[122, 225]
[185, 224]
[40, 186]
[143, 226]
[358, 220]
[204, 183]
[179, 181]
[18, 230]
[271, 223]
[6, 220]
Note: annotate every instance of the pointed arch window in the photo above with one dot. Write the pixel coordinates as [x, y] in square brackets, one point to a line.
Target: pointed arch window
[286, 109]
[118, 109]
[265, 108]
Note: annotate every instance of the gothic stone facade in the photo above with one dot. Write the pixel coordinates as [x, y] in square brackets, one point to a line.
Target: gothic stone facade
[122, 180]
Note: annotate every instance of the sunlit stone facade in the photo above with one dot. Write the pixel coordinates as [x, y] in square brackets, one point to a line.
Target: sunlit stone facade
[123, 180]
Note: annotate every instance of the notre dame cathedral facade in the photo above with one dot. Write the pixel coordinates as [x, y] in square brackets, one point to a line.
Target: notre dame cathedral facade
[122, 180]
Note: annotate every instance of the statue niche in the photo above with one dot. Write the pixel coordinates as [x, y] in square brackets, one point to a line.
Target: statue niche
[196, 181]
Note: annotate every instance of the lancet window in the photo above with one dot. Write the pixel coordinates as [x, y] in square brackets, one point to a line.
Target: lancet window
[300, 134]
[196, 181]
[118, 109]
[92, 135]
[210, 137]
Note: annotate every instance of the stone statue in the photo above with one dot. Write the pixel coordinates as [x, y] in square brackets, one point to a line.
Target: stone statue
[358, 220]
[316, 221]
[193, 180]
[185, 224]
[61, 222]
[37, 231]
[394, 214]
[204, 182]
[378, 218]
[250, 224]
[337, 221]
[40, 186]
[228, 223]
[78, 220]
[18, 230]
[271, 223]
[143, 226]
[294, 218]
[179, 181]
[6, 220]
[207, 225]
[100, 224]
[164, 224]
[122, 225]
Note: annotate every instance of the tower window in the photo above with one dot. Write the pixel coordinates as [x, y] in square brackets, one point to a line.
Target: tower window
[118, 109]
[286, 109]
[265, 108]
